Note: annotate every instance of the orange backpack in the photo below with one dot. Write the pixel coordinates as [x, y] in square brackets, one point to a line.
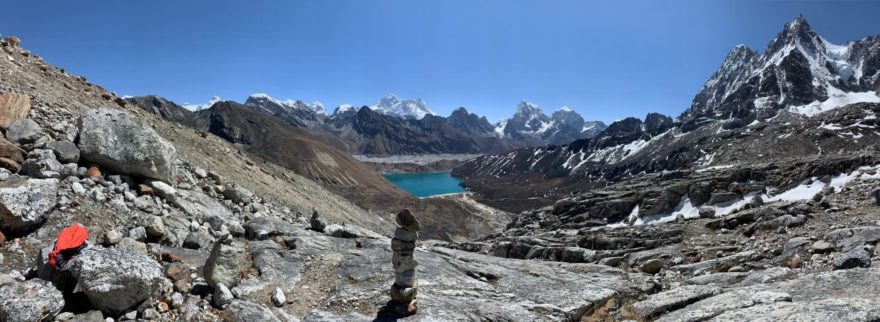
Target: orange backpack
[71, 238]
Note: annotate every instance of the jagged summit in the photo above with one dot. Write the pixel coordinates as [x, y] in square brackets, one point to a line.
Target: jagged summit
[407, 108]
[263, 98]
[199, 107]
[470, 123]
[800, 72]
[797, 32]
[530, 122]
[526, 109]
[343, 108]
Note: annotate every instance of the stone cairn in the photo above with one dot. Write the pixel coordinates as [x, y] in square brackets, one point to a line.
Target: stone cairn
[405, 287]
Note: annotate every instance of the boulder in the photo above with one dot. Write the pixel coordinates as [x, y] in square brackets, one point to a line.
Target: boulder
[265, 227]
[278, 298]
[119, 141]
[180, 275]
[707, 212]
[246, 311]
[852, 259]
[65, 152]
[112, 237]
[116, 280]
[195, 203]
[163, 190]
[13, 107]
[238, 195]
[11, 156]
[24, 131]
[222, 296]
[25, 203]
[138, 233]
[32, 300]
[198, 240]
[340, 231]
[821, 247]
[652, 266]
[41, 164]
[154, 226]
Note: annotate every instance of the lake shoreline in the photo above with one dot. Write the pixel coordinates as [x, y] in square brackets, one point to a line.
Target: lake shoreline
[426, 184]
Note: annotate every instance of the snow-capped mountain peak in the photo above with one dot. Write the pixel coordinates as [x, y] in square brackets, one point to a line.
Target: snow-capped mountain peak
[528, 109]
[342, 108]
[316, 107]
[563, 126]
[800, 72]
[406, 108]
[199, 107]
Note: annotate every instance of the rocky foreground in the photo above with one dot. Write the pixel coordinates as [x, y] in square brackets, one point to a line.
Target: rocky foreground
[206, 249]
[786, 240]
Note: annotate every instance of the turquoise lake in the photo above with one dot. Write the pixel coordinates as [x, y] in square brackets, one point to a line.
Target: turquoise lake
[425, 184]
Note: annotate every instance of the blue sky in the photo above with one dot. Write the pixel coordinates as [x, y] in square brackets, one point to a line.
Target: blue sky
[606, 59]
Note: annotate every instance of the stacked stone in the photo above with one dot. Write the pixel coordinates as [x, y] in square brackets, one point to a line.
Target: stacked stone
[405, 287]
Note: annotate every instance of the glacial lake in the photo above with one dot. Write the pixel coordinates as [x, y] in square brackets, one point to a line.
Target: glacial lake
[425, 184]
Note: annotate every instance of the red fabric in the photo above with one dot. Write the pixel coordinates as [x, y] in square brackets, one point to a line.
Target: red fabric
[70, 238]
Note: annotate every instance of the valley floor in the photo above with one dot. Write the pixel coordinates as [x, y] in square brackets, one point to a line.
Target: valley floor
[420, 159]
[416, 163]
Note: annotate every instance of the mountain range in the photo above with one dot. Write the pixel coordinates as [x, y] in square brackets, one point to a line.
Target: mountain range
[395, 126]
[784, 103]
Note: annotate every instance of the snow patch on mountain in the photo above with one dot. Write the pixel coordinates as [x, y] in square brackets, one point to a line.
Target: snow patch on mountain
[589, 126]
[499, 128]
[199, 107]
[316, 107]
[836, 98]
[407, 108]
[342, 108]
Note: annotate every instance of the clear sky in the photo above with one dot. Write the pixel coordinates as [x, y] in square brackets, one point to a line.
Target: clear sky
[606, 59]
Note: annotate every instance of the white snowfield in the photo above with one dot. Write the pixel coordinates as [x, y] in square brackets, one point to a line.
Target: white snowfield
[407, 108]
[836, 98]
[804, 191]
[199, 107]
[317, 107]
